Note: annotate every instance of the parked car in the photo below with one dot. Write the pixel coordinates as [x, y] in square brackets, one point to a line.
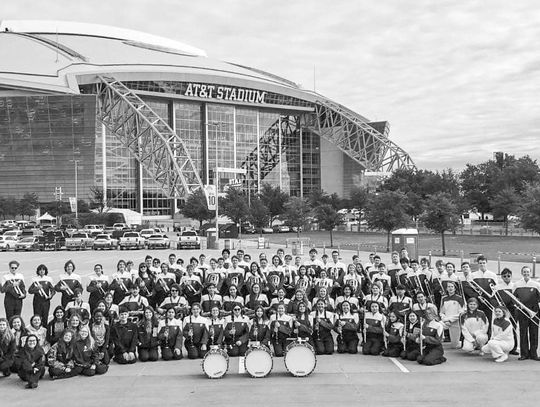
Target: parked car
[90, 229]
[267, 230]
[7, 242]
[79, 241]
[104, 241]
[132, 240]
[27, 244]
[189, 240]
[52, 240]
[16, 233]
[8, 223]
[146, 233]
[120, 226]
[158, 242]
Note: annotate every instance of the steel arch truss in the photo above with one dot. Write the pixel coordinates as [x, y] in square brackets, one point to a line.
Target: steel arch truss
[357, 138]
[148, 137]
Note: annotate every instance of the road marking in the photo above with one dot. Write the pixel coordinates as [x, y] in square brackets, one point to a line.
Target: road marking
[241, 367]
[399, 365]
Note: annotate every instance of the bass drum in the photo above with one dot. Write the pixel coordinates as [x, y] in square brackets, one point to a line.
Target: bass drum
[258, 361]
[300, 359]
[215, 363]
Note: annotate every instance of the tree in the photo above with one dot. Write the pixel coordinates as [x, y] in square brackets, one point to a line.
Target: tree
[387, 211]
[359, 198]
[98, 200]
[258, 214]
[529, 210]
[234, 205]
[297, 213]
[10, 205]
[328, 218]
[274, 199]
[28, 204]
[505, 203]
[440, 215]
[197, 208]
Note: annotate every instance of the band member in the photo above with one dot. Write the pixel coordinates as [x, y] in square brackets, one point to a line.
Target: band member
[69, 281]
[215, 327]
[421, 306]
[101, 332]
[302, 327]
[464, 280]
[61, 357]
[502, 337]
[347, 296]
[191, 286]
[474, 327]
[36, 328]
[275, 278]
[31, 362]
[214, 276]
[176, 301]
[231, 300]
[527, 297]
[482, 282]
[335, 270]
[78, 306]
[347, 329]
[323, 325]
[56, 326]
[374, 322]
[236, 332]
[235, 275]
[255, 299]
[124, 338]
[436, 281]
[431, 335]
[503, 299]
[211, 299]
[260, 331]
[43, 289]
[170, 336]
[121, 282]
[393, 336]
[393, 269]
[377, 297]
[195, 333]
[325, 297]
[8, 347]
[384, 279]
[400, 304]
[162, 282]
[313, 265]
[74, 324]
[135, 303]
[86, 355]
[97, 287]
[148, 336]
[324, 282]
[411, 345]
[18, 328]
[145, 282]
[304, 282]
[14, 289]
[289, 270]
[300, 297]
[452, 306]
[281, 328]
[109, 308]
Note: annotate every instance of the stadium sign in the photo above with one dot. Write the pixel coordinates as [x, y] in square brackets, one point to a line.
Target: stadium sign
[200, 90]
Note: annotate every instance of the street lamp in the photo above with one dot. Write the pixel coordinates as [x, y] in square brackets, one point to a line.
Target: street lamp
[76, 162]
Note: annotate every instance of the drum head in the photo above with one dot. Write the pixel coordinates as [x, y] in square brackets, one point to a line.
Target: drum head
[258, 362]
[300, 360]
[215, 365]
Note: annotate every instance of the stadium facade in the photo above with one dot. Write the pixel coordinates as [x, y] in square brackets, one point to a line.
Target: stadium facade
[149, 119]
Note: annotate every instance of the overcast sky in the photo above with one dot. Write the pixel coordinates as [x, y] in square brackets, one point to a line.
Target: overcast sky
[457, 80]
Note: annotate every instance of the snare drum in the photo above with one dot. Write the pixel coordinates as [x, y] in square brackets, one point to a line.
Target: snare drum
[258, 361]
[300, 359]
[215, 363]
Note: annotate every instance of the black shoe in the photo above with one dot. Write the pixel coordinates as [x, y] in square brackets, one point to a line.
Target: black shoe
[514, 352]
[34, 385]
[28, 386]
[6, 373]
[535, 358]
[523, 358]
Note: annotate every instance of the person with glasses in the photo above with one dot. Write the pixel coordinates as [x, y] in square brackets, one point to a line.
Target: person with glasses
[97, 287]
[231, 300]
[68, 282]
[176, 302]
[43, 289]
[503, 288]
[236, 332]
[135, 303]
[145, 283]
[31, 361]
[14, 289]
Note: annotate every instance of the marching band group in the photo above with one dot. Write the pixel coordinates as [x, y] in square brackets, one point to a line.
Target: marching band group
[405, 309]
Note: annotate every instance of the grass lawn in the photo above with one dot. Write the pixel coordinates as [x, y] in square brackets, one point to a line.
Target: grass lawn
[489, 245]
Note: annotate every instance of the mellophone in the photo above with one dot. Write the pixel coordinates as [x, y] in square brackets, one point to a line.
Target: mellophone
[300, 360]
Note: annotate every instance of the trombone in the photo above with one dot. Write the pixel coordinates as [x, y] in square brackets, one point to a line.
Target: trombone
[526, 311]
[67, 289]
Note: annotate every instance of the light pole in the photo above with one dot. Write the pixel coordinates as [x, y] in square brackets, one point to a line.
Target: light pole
[76, 162]
[216, 175]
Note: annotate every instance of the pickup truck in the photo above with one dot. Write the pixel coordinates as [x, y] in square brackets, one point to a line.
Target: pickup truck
[54, 240]
[104, 241]
[132, 240]
[189, 240]
[79, 241]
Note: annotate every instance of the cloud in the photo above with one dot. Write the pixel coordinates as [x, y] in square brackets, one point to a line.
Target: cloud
[457, 80]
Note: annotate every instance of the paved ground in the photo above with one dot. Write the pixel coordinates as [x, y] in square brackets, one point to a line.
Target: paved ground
[338, 379]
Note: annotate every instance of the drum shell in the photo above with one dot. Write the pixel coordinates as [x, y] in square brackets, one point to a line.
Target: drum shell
[262, 373]
[206, 366]
[290, 364]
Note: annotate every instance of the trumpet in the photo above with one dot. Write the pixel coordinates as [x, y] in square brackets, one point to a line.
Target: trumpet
[68, 290]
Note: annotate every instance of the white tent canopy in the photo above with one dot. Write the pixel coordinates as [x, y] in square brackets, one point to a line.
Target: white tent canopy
[46, 218]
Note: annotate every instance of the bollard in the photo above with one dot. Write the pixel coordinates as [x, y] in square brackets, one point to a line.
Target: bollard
[499, 263]
[429, 254]
[534, 267]
[461, 254]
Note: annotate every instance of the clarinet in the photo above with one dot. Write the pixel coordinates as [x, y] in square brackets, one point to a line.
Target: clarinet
[190, 331]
